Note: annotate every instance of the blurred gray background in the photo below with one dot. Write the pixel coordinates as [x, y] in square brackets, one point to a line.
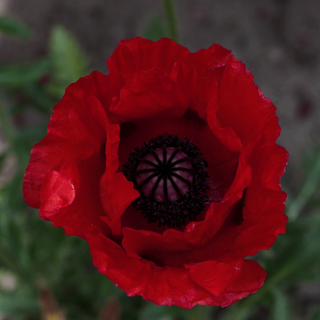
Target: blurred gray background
[278, 40]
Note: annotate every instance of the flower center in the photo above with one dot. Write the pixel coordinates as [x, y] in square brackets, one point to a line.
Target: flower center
[165, 174]
[170, 175]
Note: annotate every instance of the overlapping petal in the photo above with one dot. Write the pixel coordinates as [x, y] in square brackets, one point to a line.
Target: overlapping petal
[170, 285]
[75, 173]
[71, 155]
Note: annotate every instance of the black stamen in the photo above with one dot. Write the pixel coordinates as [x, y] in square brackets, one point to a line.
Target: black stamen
[181, 159]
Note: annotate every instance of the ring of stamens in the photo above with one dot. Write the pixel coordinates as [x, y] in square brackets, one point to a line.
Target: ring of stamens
[170, 175]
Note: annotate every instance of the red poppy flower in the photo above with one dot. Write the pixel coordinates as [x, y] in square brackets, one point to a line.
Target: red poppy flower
[168, 167]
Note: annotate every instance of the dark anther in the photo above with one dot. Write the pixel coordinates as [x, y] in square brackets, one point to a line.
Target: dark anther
[171, 176]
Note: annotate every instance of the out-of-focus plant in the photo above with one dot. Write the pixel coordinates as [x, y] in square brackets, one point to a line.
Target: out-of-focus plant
[38, 258]
[12, 27]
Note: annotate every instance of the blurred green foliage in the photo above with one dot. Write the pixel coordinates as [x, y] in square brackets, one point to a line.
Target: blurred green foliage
[155, 30]
[69, 63]
[12, 27]
[36, 266]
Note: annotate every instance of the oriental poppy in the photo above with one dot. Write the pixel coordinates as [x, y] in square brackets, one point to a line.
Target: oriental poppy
[169, 168]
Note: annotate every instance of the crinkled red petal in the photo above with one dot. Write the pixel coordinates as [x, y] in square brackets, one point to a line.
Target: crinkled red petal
[116, 192]
[214, 276]
[250, 281]
[241, 105]
[208, 62]
[146, 93]
[154, 91]
[140, 54]
[260, 216]
[70, 198]
[164, 285]
[72, 153]
[56, 192]
[74, 132]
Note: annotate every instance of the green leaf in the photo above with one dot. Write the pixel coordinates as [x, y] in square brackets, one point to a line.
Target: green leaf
[308, 188]
[315, 315]
[298, 256]
[154, 312]
[3, 156]
[15, 304]
[5, 123]
[13, 27]
[39, 98]
[32, 134]
[155, 30]
[69, 61]
[200, 312]
[18, 75]
[281, 310]
[13, 190]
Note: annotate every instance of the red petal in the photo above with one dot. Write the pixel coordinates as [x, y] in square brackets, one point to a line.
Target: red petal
[215, 276]
[154, 91]
[140, 54]
[72, 148]
[193, 91]
[242, 106]
[73, 133]
[81, 209]
[146, 93]
[226, 135]
[264, 196]
[263, 213]
[219, 55]
[208, 62]
[250, 280]
[263, 217]
[163, 286]
[56, 192]
[273, 169]
[116, 192]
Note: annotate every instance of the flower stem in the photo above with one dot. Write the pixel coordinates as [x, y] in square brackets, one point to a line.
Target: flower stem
[171, 21]
[306, 192]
